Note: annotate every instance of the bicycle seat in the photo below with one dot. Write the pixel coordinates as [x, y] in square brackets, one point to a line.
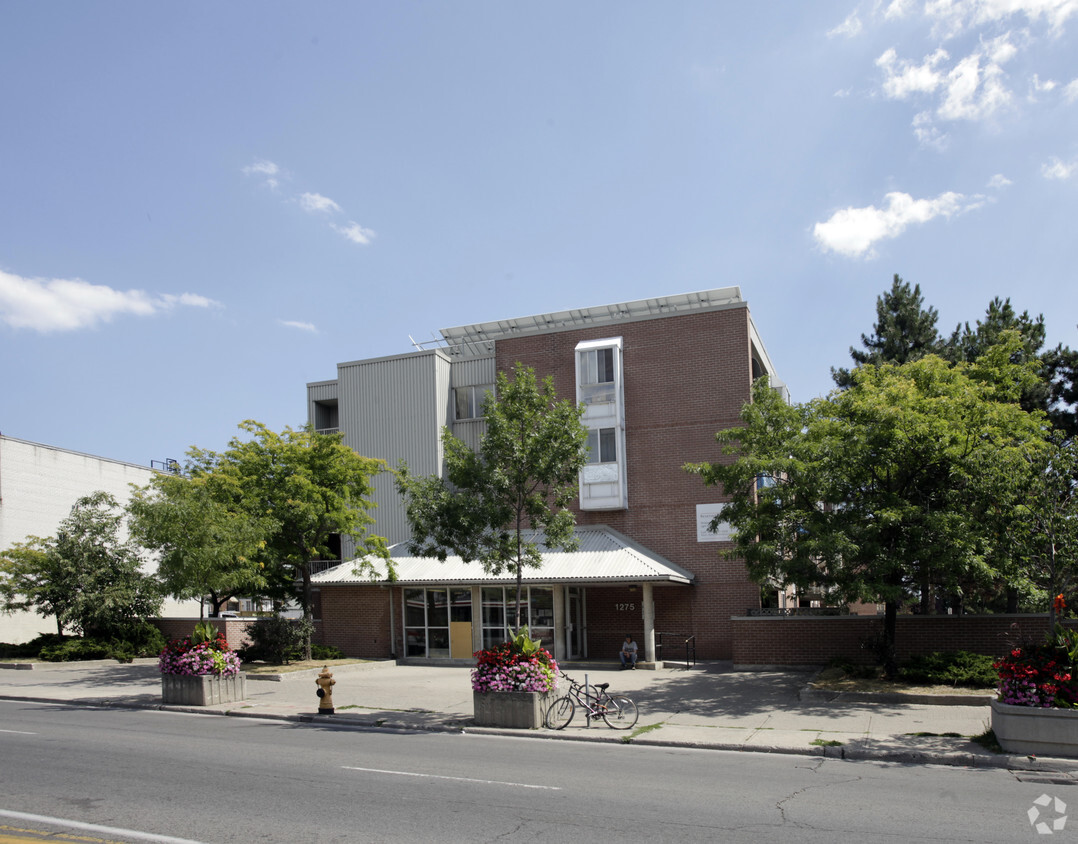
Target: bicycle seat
[603, 686]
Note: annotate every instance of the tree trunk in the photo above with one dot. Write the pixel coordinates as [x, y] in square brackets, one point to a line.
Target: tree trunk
[305, 597]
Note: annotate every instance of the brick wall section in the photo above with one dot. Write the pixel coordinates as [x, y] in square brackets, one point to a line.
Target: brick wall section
[686, 377]
[817, 640]
[356, 619]
[235, 629]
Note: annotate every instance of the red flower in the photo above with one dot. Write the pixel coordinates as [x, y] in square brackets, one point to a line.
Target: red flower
[1058, 604]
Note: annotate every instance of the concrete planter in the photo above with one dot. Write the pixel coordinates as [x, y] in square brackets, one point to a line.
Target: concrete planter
[522, 710]
[1033, 730]
[202, 689]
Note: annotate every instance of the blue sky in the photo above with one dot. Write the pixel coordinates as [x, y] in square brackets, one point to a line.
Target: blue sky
[204, 206]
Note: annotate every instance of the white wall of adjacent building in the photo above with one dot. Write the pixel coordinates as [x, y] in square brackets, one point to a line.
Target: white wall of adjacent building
[39, 484]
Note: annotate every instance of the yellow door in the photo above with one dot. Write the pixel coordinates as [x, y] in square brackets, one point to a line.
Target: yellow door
[460, 639]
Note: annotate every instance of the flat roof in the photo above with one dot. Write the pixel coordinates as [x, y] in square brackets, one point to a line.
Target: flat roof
[472, 339]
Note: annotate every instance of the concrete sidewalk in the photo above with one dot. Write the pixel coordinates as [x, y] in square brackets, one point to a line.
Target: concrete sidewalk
[706, 706]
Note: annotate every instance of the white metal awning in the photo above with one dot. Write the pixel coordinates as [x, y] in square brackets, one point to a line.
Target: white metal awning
[604, 556]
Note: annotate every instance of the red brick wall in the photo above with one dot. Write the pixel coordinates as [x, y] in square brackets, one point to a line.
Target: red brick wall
[686, 377]
[817, 640]
[235, 629]
[356, 619]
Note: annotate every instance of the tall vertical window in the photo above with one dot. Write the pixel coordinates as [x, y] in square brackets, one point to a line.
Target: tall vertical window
[600, 389]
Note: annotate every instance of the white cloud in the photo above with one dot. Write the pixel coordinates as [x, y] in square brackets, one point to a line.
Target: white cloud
[1060, 170]
[1038, 86]
[973, 93]
[999, 181]
[70, 304]
[1070, 93]
[316, 203]
[850, 27]
[302, 326]
[904, 78]
[953, 16]
[898, 9]
[853, 232]
[355, 233]
[927, 133]
[264, 168]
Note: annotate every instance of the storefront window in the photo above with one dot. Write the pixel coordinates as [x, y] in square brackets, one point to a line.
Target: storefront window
[536, 612]
[426, 622]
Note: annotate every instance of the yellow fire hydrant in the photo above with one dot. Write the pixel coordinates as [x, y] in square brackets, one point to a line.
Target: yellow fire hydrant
[325, 683]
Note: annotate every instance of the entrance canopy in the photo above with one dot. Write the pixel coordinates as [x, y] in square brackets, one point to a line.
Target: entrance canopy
[604, 556]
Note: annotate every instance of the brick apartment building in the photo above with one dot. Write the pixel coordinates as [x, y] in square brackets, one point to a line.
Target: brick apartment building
[658, 377]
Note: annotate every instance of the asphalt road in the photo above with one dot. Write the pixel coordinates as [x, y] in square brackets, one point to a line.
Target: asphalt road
[164, 776]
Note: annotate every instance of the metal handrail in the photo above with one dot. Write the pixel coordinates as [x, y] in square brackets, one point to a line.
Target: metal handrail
[689, 642]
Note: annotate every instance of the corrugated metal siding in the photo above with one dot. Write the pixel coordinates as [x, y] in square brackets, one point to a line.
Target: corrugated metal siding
[604, 555]
[394, 409]
[472, 371]
[322, 391]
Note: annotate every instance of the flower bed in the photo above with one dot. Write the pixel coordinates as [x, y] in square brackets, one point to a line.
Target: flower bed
[512, 682]
[1038, 695]
[201, 670]
[192, 657]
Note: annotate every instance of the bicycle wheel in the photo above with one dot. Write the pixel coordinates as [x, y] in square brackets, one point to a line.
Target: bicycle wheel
[560, 713]
[619, 712]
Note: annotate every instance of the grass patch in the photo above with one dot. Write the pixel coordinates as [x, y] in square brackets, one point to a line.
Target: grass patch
[988, 741]
[639, 731]
[300, 665]
[825, 743]
[938, 676]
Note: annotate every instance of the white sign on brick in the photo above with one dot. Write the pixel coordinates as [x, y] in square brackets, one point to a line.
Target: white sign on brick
[705, 513]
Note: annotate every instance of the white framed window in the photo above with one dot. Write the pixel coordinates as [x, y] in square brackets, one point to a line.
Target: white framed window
[600, 389]
[597, 376]
[468, 401]
[602, 445]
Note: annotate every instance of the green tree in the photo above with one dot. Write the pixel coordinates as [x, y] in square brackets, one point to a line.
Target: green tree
[308, 487]
[523, 477]
[1044, 520]
[970, 343]
[1061, 373]
[875, 491]
[85, 576]
[206, 548]
[904, 331]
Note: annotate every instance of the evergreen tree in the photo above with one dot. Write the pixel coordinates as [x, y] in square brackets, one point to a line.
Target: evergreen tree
[904, 331]
[968, 344]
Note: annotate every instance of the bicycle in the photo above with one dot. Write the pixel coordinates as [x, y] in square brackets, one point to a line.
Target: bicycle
[618, 711]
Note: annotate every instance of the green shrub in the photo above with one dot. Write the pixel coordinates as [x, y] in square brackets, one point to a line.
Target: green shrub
[951, 668]
[72, 650]
[326, 652]
[137, 638]
[31, 649]
[276, 640]
[134, 639]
